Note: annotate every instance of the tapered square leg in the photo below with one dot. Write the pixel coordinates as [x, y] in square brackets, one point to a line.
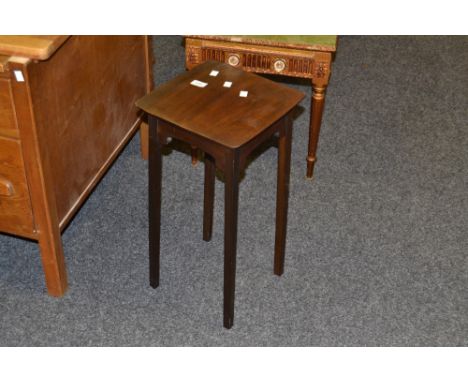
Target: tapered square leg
[208, 202]
[231, 197]
[154, 200]
[53, 261]
[282, 194]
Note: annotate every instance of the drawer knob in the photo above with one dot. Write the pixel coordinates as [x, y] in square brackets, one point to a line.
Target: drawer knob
[233, 60]
[279, 65]
[6, 188]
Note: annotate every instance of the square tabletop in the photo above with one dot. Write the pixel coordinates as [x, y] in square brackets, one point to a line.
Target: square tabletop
[219, 113]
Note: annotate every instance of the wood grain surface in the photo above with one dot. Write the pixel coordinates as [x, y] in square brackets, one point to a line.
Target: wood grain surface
[219, 113]
[8, 126]
[35, 47]
[15, 206]
[84, 99]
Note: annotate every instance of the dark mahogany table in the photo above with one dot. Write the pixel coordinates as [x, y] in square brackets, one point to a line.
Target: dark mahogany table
[227, 124]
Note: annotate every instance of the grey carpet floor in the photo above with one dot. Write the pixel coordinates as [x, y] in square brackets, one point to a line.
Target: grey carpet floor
[377, 243]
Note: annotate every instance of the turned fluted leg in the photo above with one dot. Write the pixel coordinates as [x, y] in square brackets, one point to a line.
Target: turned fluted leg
[316, 110]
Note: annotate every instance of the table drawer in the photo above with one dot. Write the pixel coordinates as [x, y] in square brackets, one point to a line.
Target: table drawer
[252, 58]
[16, 215]
[7, 115]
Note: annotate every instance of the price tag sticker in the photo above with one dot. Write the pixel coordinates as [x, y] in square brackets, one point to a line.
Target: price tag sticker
[227, 84]
[19, 75]
[243, 93]
[198, 84]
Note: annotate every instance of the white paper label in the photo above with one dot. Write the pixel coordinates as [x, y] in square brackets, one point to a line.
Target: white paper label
[243, 93]
[214, 73]
[19, 75]
[198, 84]
[227, 84]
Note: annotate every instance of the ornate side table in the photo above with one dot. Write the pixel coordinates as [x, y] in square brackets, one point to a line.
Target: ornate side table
[295, 56]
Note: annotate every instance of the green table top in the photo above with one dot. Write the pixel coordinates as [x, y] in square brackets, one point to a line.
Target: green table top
[309, 42]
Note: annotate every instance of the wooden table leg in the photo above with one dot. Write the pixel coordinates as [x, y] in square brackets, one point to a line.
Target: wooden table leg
[208, 203]
[149, 62]
[144, 140]
[282, 194]
[50, 244]
[39, 176]
[154, 199]
[194, 154]
[316, 109]
[231, 196]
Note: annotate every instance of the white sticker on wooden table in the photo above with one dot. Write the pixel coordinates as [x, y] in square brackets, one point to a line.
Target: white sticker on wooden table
[243, 93]
[198, 84]
[227, 84]
[19, 75]
[214, 73]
